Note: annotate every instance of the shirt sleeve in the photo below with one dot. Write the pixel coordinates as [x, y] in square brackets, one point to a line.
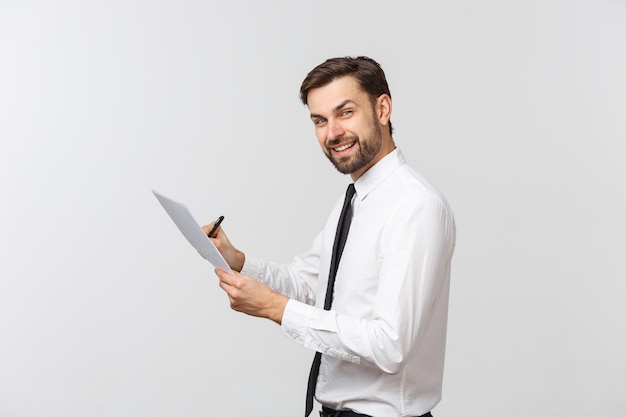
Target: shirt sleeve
[415, 247]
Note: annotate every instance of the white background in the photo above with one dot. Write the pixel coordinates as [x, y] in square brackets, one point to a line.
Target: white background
[515, 109]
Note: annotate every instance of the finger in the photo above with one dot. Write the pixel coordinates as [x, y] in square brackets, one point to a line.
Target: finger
[208, 228]
[230, 290]
[220, 273]
[226, 278]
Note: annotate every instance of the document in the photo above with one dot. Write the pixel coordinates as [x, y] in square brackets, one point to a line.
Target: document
[192, 231]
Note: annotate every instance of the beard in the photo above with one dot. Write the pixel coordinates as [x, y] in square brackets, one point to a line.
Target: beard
[368, 148]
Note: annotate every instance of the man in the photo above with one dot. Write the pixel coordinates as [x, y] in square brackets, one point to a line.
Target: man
[382, 341]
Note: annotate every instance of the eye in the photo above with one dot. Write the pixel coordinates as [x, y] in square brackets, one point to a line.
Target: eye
[319, 121]
[346, 112]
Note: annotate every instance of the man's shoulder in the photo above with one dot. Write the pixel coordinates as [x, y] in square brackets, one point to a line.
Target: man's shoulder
[413, 181]
[408, 186]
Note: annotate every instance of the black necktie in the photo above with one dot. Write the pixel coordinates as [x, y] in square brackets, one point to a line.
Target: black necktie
[340, 241]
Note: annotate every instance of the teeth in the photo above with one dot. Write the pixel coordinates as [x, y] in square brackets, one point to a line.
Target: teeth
[344, 147]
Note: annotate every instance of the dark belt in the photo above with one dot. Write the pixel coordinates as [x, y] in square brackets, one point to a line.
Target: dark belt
[329, 412]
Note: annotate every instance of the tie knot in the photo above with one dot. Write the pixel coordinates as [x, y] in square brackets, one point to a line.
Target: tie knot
[347, 201]
[350, 191]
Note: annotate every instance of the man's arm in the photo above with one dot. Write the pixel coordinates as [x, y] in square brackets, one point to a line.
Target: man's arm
[253, 297]
[410, 299]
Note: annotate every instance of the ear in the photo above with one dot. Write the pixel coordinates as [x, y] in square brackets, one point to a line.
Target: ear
[383, 109]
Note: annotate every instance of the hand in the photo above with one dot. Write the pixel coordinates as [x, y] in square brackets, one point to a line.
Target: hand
[233, 257]
[249, 296]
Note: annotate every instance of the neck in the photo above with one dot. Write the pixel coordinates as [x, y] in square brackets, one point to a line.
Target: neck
[386, 149]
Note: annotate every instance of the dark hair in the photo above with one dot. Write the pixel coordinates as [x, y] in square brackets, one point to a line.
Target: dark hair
[364, 70]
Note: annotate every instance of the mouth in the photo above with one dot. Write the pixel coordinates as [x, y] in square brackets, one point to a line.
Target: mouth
[343, 147]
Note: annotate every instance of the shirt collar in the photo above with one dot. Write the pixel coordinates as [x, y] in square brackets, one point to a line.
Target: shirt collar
[376, 174]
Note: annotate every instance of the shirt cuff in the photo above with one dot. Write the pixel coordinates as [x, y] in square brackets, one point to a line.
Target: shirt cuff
[296, 319]
[252, 267]
[315, 329]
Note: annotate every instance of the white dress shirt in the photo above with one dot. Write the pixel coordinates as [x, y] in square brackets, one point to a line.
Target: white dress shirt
[383, 340]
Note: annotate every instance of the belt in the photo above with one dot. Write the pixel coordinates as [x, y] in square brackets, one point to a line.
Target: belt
[329, 412]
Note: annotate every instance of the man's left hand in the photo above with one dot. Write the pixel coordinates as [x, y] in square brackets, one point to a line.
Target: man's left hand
[248, 295]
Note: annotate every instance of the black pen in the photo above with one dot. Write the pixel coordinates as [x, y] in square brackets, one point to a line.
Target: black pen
[217, 224]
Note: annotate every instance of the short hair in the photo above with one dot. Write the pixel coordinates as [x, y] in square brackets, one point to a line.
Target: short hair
[367, 72]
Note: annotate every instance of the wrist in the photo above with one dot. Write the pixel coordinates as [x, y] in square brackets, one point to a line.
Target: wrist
[240, 259]
[278, 308]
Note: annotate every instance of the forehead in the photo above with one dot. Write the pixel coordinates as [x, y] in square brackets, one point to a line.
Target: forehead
[328, 97]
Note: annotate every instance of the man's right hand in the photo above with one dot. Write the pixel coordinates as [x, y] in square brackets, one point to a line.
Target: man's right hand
[234, 257]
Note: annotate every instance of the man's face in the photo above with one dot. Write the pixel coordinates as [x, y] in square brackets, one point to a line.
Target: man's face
[346, 126]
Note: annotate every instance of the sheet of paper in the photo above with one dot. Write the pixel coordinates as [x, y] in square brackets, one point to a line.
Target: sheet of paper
[188, 226]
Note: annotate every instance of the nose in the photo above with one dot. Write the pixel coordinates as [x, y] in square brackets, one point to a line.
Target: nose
[335, 130]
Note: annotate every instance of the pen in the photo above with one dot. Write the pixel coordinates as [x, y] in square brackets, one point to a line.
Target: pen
[217, 224]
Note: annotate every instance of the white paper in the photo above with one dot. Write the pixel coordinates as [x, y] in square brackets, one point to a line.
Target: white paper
[188, 226]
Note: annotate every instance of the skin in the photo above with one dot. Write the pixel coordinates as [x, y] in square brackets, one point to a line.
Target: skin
[343, 115]
[354, 135]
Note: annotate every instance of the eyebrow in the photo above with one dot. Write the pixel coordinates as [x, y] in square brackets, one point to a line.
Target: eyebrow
[337, 108]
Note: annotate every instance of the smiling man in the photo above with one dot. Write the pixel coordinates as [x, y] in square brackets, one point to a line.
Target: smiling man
[371, 294]
[350, 133]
